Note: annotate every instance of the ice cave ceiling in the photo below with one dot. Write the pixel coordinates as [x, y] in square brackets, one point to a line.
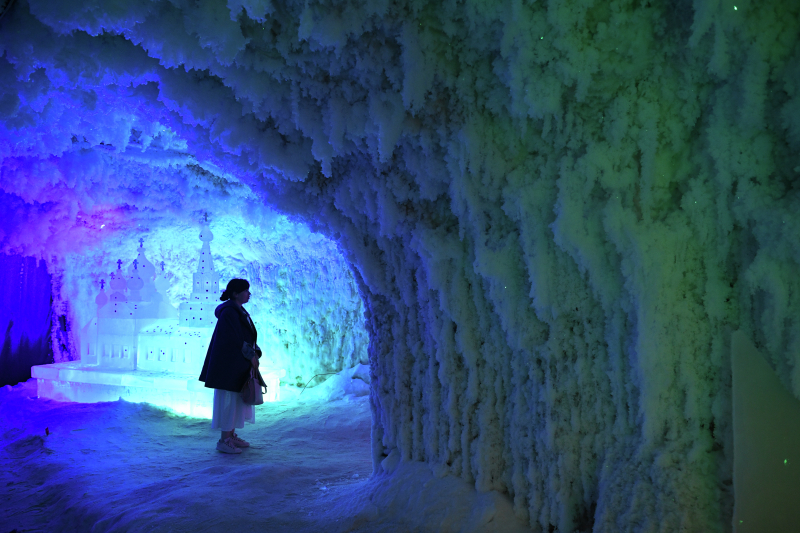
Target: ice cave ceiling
[556, 212]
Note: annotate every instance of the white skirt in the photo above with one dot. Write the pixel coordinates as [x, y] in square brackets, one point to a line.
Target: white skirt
[230, 412]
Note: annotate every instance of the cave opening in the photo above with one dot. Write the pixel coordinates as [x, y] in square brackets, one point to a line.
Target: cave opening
[305, 303]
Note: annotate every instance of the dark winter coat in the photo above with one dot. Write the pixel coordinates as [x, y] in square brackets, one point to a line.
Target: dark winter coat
[225, 367]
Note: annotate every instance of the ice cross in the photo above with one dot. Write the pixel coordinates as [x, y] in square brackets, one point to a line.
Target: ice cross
[119, 264]
[205, 217]
[102, 284]
[162, 266]
[135, 263]
[141, 242]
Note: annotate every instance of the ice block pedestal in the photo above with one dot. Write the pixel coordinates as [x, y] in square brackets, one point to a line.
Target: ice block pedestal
[75, 382]
[180, 393]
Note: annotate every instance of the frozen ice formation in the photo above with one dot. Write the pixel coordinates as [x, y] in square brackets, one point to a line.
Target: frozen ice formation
[199, 310]
[555, 212]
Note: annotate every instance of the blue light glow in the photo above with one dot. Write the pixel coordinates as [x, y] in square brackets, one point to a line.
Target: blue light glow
[134, 343]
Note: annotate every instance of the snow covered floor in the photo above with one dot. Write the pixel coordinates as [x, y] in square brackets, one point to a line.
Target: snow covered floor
[120, 466]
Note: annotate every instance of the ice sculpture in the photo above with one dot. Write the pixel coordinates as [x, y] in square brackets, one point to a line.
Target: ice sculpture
[199, 310]
[140, 348]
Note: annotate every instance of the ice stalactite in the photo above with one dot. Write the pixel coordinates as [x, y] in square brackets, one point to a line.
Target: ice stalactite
[62, 323]
[556, 214]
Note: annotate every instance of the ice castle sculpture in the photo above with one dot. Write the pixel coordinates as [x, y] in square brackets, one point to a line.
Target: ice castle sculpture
[139, 348]
[199, 310]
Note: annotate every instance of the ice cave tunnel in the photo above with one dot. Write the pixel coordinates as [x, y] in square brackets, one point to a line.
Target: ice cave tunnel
[563, 235]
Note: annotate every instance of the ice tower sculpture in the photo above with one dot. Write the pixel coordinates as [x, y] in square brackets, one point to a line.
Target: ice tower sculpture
[198, 312]
[140, 348]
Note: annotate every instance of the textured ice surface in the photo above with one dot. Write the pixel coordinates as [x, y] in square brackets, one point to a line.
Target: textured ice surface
[555, 212]
[120, 466]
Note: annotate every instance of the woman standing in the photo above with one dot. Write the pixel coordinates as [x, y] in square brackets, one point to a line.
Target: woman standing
[231, 354]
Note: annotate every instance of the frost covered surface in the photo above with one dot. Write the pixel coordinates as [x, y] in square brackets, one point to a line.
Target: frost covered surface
[119, 466]
[556, 212]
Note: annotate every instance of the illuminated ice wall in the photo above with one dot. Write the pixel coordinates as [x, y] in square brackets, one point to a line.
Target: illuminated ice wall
[555, 212]
[304, 299]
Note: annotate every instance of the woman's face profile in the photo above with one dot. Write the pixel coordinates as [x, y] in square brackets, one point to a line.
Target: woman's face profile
[243, 297]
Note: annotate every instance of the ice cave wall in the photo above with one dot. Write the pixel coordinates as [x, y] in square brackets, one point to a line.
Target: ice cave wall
[25, 317]
[557, 212]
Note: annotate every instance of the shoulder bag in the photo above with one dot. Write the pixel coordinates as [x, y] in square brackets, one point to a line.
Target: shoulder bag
[251, 392]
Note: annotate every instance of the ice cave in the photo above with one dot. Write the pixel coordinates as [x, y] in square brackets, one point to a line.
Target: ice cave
[515, 265]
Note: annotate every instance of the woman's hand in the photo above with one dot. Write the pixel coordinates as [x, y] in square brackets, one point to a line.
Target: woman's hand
[254, 361]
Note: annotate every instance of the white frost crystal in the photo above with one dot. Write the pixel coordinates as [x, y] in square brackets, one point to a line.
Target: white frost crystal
[555, 212]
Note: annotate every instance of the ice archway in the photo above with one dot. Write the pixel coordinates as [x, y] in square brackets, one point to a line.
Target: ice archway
[556, 213]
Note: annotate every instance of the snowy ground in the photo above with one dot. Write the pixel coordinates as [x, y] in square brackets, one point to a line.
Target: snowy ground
[119, 466]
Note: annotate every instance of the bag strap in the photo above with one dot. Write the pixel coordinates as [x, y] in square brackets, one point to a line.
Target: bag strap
[260, 379]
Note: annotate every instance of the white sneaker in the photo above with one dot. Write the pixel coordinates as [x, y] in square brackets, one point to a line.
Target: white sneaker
[227, 446]
[239, 442]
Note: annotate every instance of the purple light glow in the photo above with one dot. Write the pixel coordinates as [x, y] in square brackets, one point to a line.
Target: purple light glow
[25, 317]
